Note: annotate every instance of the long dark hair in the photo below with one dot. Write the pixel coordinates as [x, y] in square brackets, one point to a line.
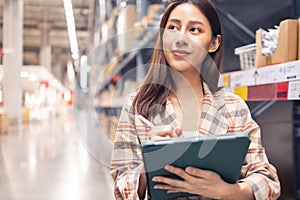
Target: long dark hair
[158, 84]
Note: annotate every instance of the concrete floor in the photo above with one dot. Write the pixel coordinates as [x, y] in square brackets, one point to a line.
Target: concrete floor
[48, 160]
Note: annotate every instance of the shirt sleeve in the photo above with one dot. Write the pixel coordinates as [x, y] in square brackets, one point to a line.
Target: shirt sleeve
[127, 163]
[257, 171]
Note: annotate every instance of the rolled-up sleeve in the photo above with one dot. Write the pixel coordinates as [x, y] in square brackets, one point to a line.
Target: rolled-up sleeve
[127, 163]
[257, 171]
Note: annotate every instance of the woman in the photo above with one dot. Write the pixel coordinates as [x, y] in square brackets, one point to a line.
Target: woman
[181, 92]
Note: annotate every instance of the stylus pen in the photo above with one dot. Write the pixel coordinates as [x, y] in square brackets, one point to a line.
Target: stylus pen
[146, 121]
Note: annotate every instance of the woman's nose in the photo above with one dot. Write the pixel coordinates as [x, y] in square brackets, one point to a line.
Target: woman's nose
[182, 40]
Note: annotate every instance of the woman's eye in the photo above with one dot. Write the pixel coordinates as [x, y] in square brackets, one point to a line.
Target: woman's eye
[195, 30]
[172, 27]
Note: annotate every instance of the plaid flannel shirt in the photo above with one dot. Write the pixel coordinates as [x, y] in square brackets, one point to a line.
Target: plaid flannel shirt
[223, 113]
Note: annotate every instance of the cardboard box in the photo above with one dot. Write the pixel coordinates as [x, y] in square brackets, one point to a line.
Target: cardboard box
[287, 45]
[3, 123]
[299, 39]
[25, 115]
[125, 26]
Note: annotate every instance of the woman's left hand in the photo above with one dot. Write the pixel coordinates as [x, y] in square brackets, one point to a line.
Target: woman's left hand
[195, 181]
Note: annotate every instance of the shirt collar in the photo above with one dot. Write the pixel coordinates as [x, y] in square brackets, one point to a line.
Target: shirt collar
[216, 99]
[211, 100]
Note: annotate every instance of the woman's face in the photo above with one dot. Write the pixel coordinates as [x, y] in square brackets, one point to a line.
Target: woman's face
[187, 38]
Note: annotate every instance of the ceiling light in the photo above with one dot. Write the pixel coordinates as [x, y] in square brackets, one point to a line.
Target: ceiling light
[71, 28]
[123, 4]
[83, 71]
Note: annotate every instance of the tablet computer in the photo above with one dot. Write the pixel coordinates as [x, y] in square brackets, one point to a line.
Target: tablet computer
[223, 154]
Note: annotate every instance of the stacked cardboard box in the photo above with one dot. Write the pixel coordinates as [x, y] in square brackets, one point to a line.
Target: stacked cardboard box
[125, 26]
[25, 115]
[3, 122]
[299, 39]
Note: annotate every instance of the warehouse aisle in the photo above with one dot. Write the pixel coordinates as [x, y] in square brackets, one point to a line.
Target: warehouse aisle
[45, 160]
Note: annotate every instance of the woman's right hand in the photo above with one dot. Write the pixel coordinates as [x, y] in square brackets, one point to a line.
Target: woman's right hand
[164, 132]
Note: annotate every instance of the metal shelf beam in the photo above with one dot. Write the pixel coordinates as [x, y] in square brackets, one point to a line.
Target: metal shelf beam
[296, 143]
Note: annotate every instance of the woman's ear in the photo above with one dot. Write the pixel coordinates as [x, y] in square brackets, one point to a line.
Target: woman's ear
[215, 44]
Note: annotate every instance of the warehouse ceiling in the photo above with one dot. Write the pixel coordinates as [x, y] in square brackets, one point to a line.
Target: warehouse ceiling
[45, 23]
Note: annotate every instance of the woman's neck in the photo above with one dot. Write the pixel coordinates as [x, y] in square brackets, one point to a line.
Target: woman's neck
[188, 85]
[189, 95]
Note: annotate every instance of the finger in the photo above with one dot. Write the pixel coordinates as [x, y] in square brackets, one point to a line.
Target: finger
[164, 131]
[167, 183]
[176, 190]
[199, 173]
[178, 131]
[156, 137]
[163, 187]
[167, 133]
[170, 189]
[158, 129]
[178, 171]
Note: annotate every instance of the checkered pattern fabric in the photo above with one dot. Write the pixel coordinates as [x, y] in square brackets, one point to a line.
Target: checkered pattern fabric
[222, 113]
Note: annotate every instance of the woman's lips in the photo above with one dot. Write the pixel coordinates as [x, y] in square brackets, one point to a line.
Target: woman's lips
[181, 53]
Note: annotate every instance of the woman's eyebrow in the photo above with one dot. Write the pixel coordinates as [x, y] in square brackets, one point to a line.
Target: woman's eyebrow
[196, 22]
[190, 22]
[174, 20]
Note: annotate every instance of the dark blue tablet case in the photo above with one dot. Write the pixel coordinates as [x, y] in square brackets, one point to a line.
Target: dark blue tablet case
[222, 154]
